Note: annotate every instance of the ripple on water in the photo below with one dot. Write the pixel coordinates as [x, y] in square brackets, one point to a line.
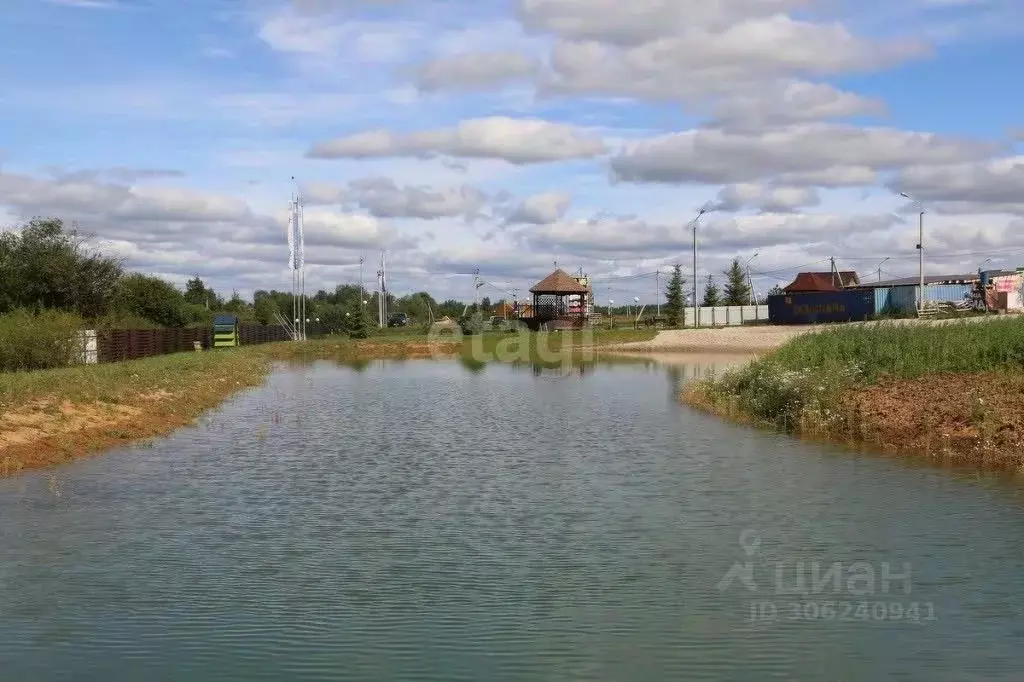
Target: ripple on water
[417, 521]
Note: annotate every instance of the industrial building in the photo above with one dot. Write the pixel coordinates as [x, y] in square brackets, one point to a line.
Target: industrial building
[841, 297]
[899, 296]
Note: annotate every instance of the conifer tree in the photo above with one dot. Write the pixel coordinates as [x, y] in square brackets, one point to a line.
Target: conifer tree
[674, 298]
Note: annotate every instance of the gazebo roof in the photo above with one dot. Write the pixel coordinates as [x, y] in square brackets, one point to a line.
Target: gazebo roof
[558, 282]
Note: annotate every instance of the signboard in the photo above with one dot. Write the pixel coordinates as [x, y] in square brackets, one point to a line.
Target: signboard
[1007, 283]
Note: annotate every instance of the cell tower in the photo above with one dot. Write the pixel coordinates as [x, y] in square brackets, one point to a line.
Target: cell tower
[297, 264]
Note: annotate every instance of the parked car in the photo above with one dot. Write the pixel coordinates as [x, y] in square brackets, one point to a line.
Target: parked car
[398, 320]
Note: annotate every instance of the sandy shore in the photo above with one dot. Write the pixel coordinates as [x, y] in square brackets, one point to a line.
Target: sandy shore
[755, 339]
[743, 340]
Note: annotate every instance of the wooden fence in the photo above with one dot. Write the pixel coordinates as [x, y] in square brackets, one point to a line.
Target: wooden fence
[114, 345]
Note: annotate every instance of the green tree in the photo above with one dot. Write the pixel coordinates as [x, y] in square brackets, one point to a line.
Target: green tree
[712, 297]
[775, 291]
[197, 293]
[357, 320]
[737, 291]
[236, 305]
[43, 265]
[418, 306]
[264, 310]
[674, 297]
[332, 318]
[451, 308]
[156, 300]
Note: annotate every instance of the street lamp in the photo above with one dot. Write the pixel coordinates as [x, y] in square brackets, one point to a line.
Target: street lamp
[920, 248]
[879, 266]
[987, 260]
[750, 281]
[695, 221]
[610, 302]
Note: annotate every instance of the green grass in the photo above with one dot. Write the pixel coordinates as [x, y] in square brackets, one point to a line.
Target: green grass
[907, 351]
[804, 380]
[118, 381]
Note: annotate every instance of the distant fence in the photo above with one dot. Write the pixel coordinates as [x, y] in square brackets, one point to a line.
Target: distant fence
[115, 345]
[726, 315]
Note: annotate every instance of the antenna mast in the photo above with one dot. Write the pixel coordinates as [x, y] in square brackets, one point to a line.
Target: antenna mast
[297, 264]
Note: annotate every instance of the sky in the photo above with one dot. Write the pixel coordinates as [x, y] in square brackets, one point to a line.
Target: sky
[512, 135]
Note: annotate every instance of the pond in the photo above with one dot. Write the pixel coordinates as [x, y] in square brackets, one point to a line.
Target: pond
[428, 520]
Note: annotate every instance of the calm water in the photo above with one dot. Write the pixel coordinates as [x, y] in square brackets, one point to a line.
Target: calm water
[425, 521]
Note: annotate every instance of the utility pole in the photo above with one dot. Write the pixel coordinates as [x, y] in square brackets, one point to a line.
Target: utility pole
[380, 292]
[360, 280]
[384, 286]
[880, 268]
[657, 290]
[920, 254]
[920, 249]
[476, 289]
[836, 277]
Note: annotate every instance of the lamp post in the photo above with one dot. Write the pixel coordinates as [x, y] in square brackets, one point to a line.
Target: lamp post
[920, 248]
[610, 323]
[750, 281]
[982, 264]
[636, 309]
[879, 267]
[696, 322]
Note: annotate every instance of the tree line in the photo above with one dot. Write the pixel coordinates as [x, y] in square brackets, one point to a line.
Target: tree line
[45, 265]
[737, 291]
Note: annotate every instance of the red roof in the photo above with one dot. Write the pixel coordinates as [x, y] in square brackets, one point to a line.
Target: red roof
[822, 281]
[558, 282]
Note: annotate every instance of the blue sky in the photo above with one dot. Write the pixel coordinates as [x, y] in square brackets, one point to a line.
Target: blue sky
[510, 135]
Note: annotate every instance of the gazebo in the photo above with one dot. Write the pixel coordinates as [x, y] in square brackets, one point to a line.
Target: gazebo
[554, 305]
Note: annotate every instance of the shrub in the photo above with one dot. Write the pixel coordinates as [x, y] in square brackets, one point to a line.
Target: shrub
[472, 323]
[38, 341]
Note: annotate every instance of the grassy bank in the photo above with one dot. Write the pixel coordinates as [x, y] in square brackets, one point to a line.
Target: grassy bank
[950, 391]
[55, 415]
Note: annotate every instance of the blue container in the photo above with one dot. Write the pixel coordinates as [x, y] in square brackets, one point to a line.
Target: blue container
[943, 293]
[903, 299]
[851, 305]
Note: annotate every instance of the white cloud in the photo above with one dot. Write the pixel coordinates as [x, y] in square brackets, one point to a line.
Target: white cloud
[993, 186]
[540, 209]
[329, 228]
[723, 156]
[86, 4]
[382, 198]
[640, 21]
[475, 70]
[782, 102]
[699, 62]
[350, 40]
[766, 199]
[517, 141]
[182, 231]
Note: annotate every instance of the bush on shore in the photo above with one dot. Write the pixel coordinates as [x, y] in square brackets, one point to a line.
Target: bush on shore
[801, 385]
[38, 341]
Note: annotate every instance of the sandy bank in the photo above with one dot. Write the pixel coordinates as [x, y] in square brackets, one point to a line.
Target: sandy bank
[752, 339]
